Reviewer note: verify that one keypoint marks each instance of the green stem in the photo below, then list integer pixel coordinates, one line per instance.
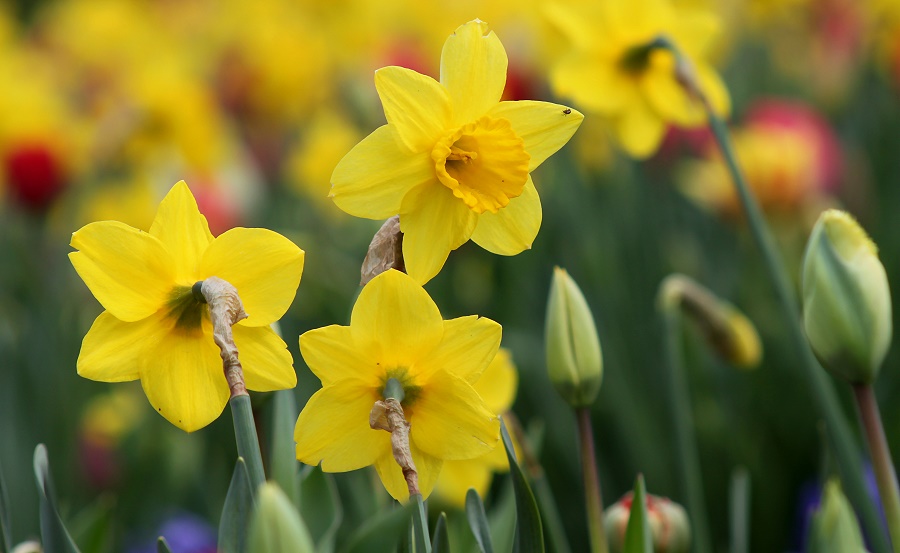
(593, 499)
(247, 440)
(420, 525)
(882, 464)
(686, 442)
(740, 511)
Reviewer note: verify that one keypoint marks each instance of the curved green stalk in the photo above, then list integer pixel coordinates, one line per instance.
(247, 440)
(594, 500)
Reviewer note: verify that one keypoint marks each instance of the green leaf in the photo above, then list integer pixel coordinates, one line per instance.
(235, 520)
(276, 526)
(320, 507)
(284, 466)
(246, 439)
(529, 532)
(420, 525)
(55, 537)
(478, 521)
(162, 546)
(638, 538)
(441, 541)
(381, 533)
(4, 517)
(739, 501)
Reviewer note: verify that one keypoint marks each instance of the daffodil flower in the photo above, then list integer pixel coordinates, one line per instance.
(396, 332)
(616, 71)
(498, 388)
(154, 329)
(453, 160)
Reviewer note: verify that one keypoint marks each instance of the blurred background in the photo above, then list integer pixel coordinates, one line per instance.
(105, 104)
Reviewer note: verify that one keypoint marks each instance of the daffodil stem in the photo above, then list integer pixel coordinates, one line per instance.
(247, 440)
(593, 498)
(682, 419)
(420, 522)
(883, 465)
(845, 449)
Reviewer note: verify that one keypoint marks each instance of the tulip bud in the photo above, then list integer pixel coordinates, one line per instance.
(668, 521)
(574, 362)
(834, 528)
(276, 526)
(846, 299)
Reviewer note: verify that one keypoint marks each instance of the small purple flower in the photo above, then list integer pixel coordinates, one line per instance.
(185, 533)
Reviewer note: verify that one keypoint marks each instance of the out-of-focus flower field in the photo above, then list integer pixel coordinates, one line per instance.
(106, 104)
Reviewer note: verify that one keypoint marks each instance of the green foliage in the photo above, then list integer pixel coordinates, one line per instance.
(233, 525)
(54, 535)
(529, 531)
(638, 538)
(441, 541)
(478, 521)
(320, 507)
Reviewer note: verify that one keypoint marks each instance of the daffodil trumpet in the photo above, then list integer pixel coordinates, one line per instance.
(845, 448)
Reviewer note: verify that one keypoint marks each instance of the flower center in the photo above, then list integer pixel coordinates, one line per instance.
(399, 378)
(185, 309)
(484, 163)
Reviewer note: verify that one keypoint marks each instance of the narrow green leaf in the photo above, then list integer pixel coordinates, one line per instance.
(283, 456)
(420, 524)
(638, 538)
(441, 540)
(55, 537)
(247, 440)
(235, 520)
(381, 533)
(740, 510)
(529, 532)
(162, 546)
(320, 507)
(478, 521)
(5, 527)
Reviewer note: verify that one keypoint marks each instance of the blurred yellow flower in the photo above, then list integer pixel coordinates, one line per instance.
(155, 330)
(396, 331)
(497, 386)
(453, 160)
(614, 70)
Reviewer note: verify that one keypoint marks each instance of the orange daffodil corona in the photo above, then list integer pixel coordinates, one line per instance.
(613, 71)
(153, 329)
(396, 331)
(453, 160)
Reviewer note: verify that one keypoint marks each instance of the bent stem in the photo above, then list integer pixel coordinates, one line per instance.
(686, 441)
(593, 499)
(883, 465)
(225, 310)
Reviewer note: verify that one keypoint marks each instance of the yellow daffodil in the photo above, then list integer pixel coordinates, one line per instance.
(453, 160)
(396, 332)
(155, 330)
(498, 388)
(615, 71)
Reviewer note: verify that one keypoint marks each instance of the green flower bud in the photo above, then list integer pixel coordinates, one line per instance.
(276, 526)
(846, 299)
(668, 521)
(834, 528)
(574, 361)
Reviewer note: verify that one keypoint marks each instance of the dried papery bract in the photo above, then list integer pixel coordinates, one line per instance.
(225, 310)
(385, 251)
(388, 415)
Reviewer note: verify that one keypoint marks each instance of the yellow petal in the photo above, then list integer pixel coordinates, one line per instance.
(473, 69)
(331, 355)
(458, 476)
(715, 90)
(696, 32)
(263, 265)
(372, 179)
(468, 345)
(449, 419)
(498, 382)
(112, 350)
(183, 230)
(264, 356)
(427, 466)
(598, 85)
(544, 127)
(639, 129)
(417, 106)
(333, 429)
(394, 322)
(127, 270)
(512, 229)
(434, 222)
(184, 380)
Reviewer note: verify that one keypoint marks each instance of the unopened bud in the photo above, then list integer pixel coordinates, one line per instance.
(846, 299)
(276, 526)
(668, 521)
(727, 331)
(574, 362)
(834, 528)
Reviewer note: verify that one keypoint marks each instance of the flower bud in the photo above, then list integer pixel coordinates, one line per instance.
(276, 526)
(574, 363)
(834, 528)
(668, 521)
(846, 299)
